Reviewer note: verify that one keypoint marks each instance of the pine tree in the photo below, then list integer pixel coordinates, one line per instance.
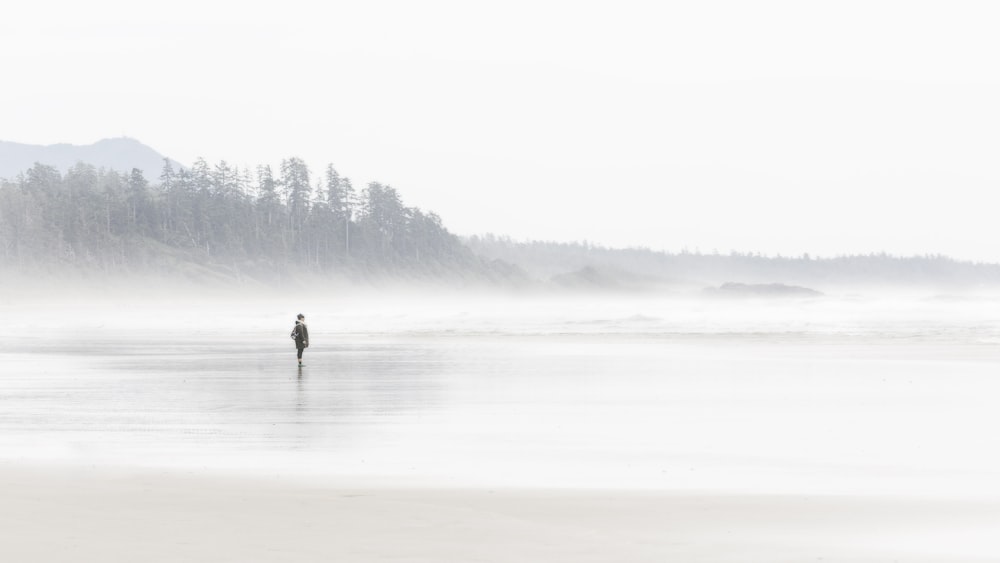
(334, 192)
(167, 176)
(137, 197)
(295, 182)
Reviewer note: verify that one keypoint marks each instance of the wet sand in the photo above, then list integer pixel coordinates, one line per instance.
(89, 515)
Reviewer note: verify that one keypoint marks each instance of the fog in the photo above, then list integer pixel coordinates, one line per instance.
(845, 394)
(701, 389)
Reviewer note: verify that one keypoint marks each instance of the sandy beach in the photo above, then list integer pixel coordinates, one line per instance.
(692, 434)
(88, 515)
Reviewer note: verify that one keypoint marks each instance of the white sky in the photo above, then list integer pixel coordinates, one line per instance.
(778, 127)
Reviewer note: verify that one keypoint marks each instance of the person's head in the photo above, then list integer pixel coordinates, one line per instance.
(301, 317)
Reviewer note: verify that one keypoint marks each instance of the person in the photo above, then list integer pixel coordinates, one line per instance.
(301, 336)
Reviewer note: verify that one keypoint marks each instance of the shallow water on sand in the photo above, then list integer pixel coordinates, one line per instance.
(676, 398)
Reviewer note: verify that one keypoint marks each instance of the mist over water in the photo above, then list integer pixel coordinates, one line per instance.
(841, 394)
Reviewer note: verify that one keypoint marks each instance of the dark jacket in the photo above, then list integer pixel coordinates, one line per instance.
(301, 333)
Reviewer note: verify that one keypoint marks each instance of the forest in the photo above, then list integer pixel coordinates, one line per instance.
(226, 222)
(290, 226)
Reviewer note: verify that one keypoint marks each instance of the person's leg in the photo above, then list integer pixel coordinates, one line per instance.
(299, 350)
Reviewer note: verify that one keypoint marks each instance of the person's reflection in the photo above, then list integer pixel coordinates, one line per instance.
(300, 396)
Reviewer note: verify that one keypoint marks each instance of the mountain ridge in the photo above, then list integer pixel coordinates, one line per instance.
(121, 154)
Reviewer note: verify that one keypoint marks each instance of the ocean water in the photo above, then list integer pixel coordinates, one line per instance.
(845, 395)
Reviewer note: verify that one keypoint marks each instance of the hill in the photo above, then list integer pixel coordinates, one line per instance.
(121, 154)
(588, 265)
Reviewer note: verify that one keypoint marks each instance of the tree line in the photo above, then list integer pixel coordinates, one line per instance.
(270, 225)
(240, 222)
(553, 260)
